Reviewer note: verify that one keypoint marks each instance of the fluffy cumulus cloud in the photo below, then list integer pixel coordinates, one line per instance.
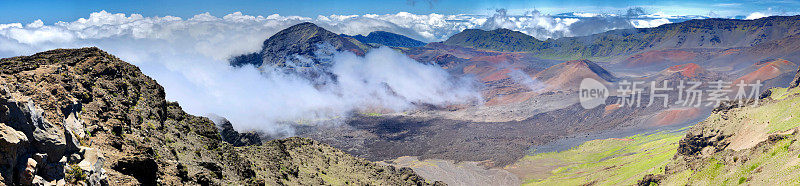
(189, 58)
(427, 28)
(542, 26)
(756, 15)
(645, 23)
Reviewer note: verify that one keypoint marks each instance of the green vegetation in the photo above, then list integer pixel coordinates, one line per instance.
(779, 116)
(503, 40)
(777, 164)
(372, 114)
(610, 161)
(776, 159)
(75, 174)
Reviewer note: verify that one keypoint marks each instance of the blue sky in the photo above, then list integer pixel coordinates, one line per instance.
(68, 10)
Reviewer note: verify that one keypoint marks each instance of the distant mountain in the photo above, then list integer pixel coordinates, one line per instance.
(297, 43)
(387, 39)
(503, 40)
(705, 33)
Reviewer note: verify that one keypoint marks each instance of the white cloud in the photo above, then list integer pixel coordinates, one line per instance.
(188, 57)
(36, 24)
(644, 23)
(756, 15)
(542, 26)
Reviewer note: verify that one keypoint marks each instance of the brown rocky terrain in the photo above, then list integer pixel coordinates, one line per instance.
(82, 116)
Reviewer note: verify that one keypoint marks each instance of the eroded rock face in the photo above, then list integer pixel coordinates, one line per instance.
(796, 80)
(33, 146)
(12, 145)
(85, 117)
(235, 138)
(304, 40)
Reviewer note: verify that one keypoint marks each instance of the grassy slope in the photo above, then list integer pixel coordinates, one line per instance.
(774, 162)
(610, 161)
(619, 162)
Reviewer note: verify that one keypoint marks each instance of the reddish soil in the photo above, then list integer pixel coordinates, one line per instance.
(610, 108)
(502, 58)
(729, 52)
(567, 75)
(659, 56)
(675, 116)
(767, 70)
(496, 74)
(510, 98)
(686, 70)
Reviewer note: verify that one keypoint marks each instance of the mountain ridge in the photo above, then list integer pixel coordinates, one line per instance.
(387, 39)
(83, 116)
(706, 33)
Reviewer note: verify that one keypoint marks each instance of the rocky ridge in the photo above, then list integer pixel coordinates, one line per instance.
(83, 116)
(387, 39)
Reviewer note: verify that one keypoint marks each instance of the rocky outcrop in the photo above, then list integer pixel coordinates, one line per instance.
(230, 135)
(796, 81)
(82, 116)
(36, 151)
(304, 44)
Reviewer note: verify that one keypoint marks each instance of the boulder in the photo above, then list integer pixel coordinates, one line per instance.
(73, 123)
(46, 136)
(53, 171)
(98, 178)
(92, 159)
(12, 142)
(92, 163)
(28, 174)
(38, 180)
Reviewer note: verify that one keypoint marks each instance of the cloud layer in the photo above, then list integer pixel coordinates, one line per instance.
(188, 57)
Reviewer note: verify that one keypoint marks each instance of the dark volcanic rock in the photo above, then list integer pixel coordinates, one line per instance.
(496, 144)
(235, 138)
(388, 39)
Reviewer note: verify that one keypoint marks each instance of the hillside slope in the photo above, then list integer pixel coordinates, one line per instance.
(503, 40)
(568, 75)
(100, 120)
(737, 144)
(706, 33)
(387, 39)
